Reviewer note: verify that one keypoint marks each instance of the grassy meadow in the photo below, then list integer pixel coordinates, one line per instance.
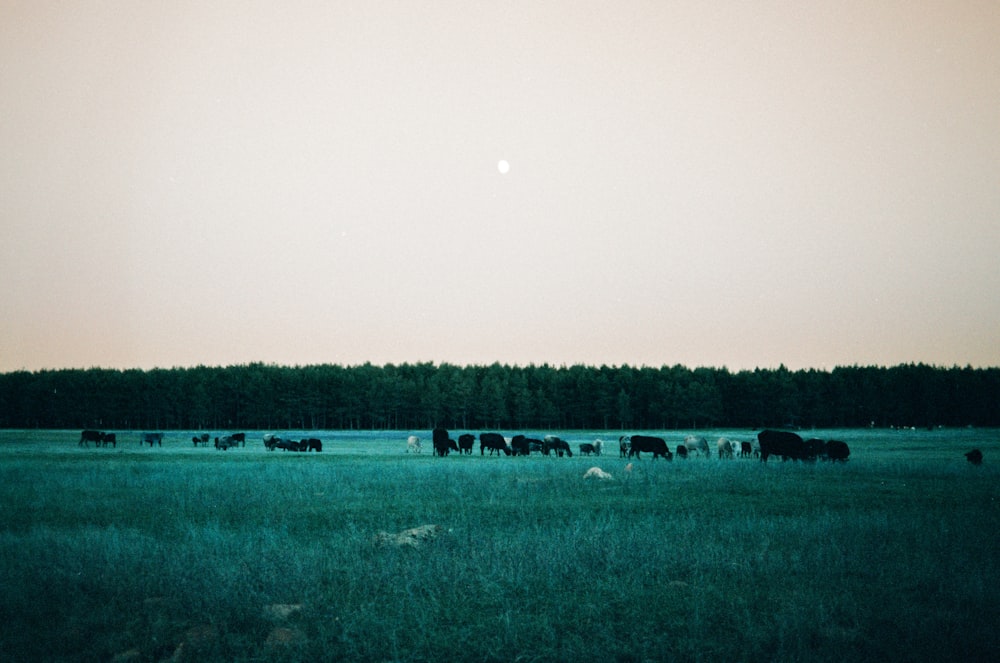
(183, 553)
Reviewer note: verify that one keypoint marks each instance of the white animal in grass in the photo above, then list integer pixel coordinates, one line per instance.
(413, 444)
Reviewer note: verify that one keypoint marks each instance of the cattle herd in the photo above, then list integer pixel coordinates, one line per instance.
(785, 445)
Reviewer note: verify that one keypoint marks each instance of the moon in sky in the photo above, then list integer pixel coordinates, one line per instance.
(503, 166)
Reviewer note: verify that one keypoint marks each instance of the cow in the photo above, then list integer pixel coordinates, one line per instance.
(241, 438)
(109, 438)
(696, 444)
(466, 442)
(413, 444)
(201, 439)
(312, 444)
(724, 447)
(814, 448)
(88, 436)
(836, 450)
(655, 445)
(975, 457)
(624, 444)
(225, 442)
(493, 442)
(519, 446)
(781, 443)
(587, 449)
(271, 441)
(598, 447)
(682, 451)
(441, 442)
(746, 449)
(289, 445)
(552, 443)
(150, 438)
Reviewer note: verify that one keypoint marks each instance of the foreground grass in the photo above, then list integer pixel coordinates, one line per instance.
(147, 556)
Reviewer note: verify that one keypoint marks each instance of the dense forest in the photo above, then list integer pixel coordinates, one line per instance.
(423, 395)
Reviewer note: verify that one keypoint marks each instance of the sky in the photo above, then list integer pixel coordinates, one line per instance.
(737, 184)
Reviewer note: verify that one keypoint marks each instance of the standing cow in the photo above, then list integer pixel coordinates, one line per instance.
(724, 447)
(442, 443)
(413, 444)
(655, 445)
(88, 436)
(696, 445)
(493, 442)
(781, 443)
(150, 438)
(465, 443)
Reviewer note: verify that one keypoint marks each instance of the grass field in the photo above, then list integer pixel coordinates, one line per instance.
(150, 554)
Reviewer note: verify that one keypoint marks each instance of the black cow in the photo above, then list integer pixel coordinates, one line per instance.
(586, 449)
(746, 449)
(290, 445)
(781, 443)
(682, 451)
(150, 438)
(655, 445)
(493, 442)
(88, 436)
(975, 457)
(312, 444)
(441, 440)
(241, 438)
(465, 443)
(552, 443)
(201, 439)
(109, 438)
(836, 450)
(815, 448)
(519, 446)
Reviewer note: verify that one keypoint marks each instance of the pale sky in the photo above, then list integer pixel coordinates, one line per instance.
(735, 184)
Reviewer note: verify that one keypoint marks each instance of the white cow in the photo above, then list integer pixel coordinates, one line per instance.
(696, 444)
(413, 444)
(598, 447)
(725, 447)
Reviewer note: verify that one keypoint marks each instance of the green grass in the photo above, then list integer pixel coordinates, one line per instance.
(136, 552)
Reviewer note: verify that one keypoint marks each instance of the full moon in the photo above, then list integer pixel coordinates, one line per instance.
(503, 166)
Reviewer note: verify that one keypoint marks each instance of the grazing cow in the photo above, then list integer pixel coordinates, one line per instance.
(225, 442)
(241, 438)
(724, 447)
(201, 439)
(781, 443)
(682, 451)
(975, 457)
(586, 449)
(493, 442)
(441, 440)
(814, 448)
(697, 444)
(746, 449)
(109, 438)
(598, 447)
(519, 446)
(836, 450)
(88, 436)
(413, 444)
(150, 438)
(624, 444)
(271, 441)
(552, 443)
(655, 445)
(314, 444)
(291, 445)
(465, 443)
(597, 473)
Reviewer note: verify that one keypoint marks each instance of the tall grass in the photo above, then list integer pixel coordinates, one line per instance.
(149, 554)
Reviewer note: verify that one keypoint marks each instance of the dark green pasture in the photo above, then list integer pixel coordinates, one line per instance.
(175, 552)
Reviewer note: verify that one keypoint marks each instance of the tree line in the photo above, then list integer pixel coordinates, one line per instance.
(424, 395)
